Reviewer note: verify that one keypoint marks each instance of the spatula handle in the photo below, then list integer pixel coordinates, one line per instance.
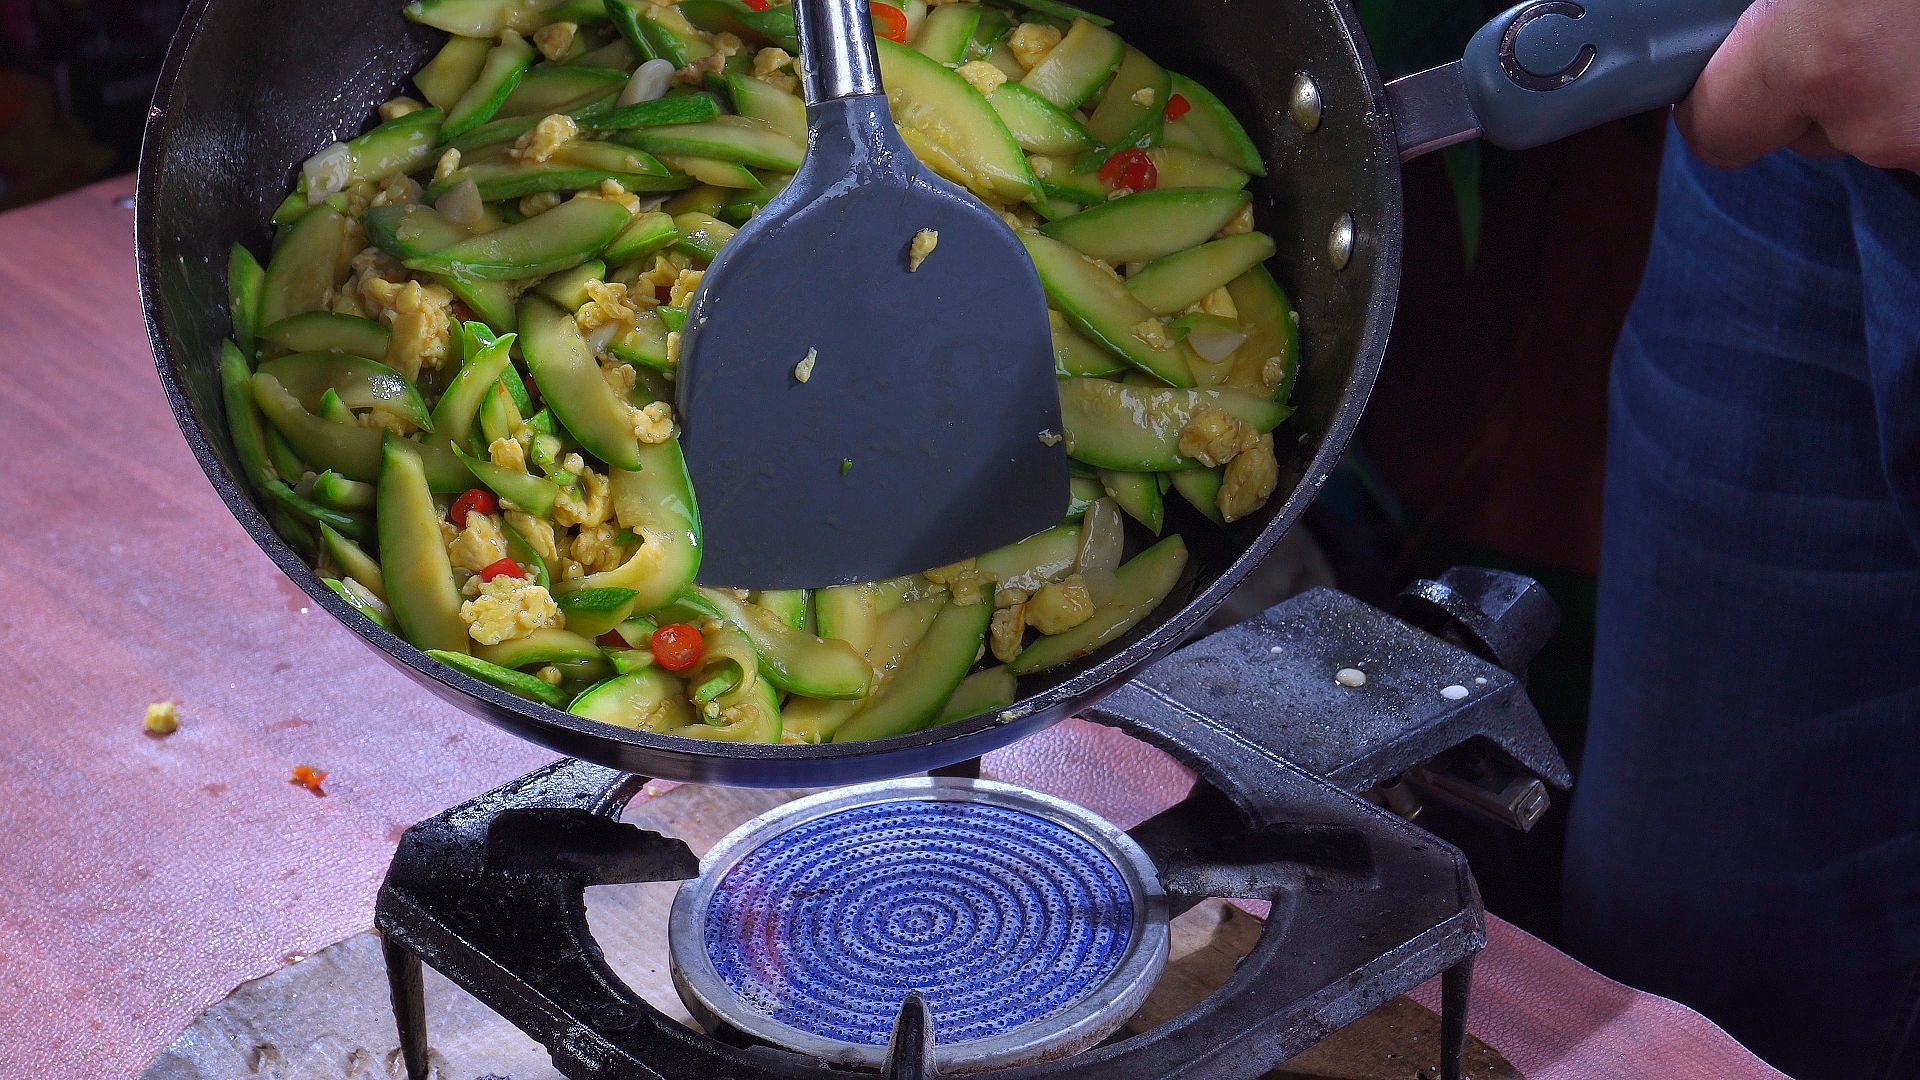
(837, 58)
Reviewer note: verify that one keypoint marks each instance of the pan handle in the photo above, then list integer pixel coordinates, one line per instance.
(1546, 69)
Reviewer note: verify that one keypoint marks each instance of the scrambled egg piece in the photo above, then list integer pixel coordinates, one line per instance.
(620, 377)
(448, 164)
(803, 370)
(1250, 478)
(923, 244)
(1218, 302)
(549, 675)
(399, 107)
(984, 76)
(479, 544)
(1019, 217)
(540, 202)
(1216, 436)
(673, 348)
(1042, 166)
(546, 137)
(1008, 632)
(965, 583)
(1060, 607)
(664, 271)
(775, 67)
(554, 39)
(1242, 223)
(1008, 597)
(595, 548)
(537, 532)
(419, 316)
(696, 73)
(1031, 42)
(1150, 331)
(508, 608)
(1142, 96)
(685, 283)
(607, 302)
(1272, 370)
(593, 503)
(384, 420)
(613, 191)
(508, 454)
(653, 423)
(163, 718)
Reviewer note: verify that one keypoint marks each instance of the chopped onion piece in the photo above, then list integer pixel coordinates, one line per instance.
(1216, 345)
(1102, 541)
(327, 173)
(602, 336)
(648, 83)
(461, 203)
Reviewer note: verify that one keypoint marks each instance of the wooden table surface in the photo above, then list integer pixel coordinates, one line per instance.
(143, 878)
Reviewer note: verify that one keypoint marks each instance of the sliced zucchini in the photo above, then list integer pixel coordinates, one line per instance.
(513, 682)
(656, 502)
(304, 268)
(984, 691)
(1081, 492)
(363, 603)
(560, 88)
(1060, 9)
(350, 450)
(406, 232)
(790, 606)
(1177, 167)
(477, 18)
(452, 70)
(1131, 110)
(792, 659)
(1075, 354)
(913, 697)
(523, 491)
(1060, 180)
(1273, 332)
(944, 34)
(953, 122)
(1174, 282)
(328, 331)
(1035, 123)
(245, 282)
(644, 235)
(360, 382)
(730, 175)
(776, 108)
(1140, 585)
(701, 236)
(499, 180)
(1144, 226)
(545, 646)
(332, 489)
(592, 612)
(1040, 559)
(1111, 425)
(1201, 489)
(568, 288)
(739, 139)
(1213, 124)
(352, 561)
(1138, 493)
(404, 144)
(1078, 66)
(560, 360)
(505, 65)
(645, 344)
(684, 109)
(565, 236)
(1098, 305)
(413, 557)
(244, 423)
(884, 629)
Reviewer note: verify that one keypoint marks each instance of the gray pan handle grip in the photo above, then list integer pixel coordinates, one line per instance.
(837, 57)
(1546, 69)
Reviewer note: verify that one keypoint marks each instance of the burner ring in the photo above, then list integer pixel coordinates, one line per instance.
(1033, 927)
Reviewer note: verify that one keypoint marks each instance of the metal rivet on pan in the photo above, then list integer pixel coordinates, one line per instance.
(1304, 102)
(1340, 242)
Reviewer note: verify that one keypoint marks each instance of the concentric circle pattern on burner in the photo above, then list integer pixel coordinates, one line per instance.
(999, 917)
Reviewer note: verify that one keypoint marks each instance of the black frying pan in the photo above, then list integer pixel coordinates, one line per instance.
(253, 87)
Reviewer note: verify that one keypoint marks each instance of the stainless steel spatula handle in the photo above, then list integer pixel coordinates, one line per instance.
(837, 58)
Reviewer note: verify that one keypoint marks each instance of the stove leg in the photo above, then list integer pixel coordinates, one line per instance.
(965, 770)
(1454, 985)
(409, 1006)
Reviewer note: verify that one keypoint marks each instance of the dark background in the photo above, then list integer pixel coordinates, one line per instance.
(1484, 440)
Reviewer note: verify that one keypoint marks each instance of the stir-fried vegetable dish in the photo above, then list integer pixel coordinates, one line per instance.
(451, 382)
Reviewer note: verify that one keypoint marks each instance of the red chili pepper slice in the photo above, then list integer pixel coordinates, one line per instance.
(890, 21)
(472, 499)
(662, 293)
(1178, 106)
(308, 777)
(678, 647)
(612, 640)
(1131, 169)
(757, 5)
(503, 568)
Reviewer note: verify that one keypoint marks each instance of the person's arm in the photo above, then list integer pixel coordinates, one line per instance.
(1819, 76)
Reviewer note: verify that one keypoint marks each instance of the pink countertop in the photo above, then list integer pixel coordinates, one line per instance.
(142, 878)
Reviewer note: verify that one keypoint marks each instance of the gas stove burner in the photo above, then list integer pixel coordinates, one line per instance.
(1031, 927)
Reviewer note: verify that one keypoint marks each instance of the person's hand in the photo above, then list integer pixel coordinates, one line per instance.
(1822, 77)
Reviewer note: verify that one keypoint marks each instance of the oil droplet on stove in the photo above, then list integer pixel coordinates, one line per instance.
(1454, 692)
(1350, 677)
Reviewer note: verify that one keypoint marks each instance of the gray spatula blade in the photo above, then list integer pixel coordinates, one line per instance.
(928, 428)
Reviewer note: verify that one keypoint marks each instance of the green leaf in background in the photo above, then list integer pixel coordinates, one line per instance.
(1409, 35)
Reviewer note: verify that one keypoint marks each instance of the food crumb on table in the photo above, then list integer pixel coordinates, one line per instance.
(803, 370)
(163, 718)
(308, 777)
(923, 244)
